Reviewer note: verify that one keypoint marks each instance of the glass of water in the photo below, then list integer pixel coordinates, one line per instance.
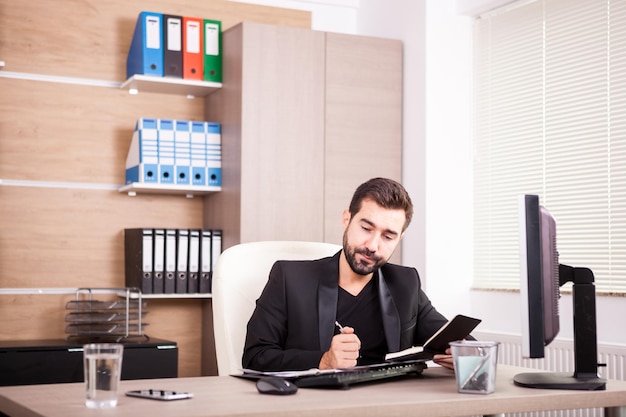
(103, 369)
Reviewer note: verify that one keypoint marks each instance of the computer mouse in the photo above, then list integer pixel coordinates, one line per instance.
(276, 386)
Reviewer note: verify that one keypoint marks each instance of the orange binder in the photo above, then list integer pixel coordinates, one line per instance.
(193, 56)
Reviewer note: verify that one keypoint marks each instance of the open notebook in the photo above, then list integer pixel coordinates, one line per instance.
(456, 329)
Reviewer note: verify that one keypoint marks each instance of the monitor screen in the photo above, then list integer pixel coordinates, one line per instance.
(541, 276)
(539, 270)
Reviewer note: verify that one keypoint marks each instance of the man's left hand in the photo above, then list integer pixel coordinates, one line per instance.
(445, 360)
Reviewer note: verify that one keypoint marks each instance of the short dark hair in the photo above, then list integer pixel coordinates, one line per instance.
(386, 193)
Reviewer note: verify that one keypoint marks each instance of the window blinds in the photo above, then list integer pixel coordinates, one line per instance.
(550, 119)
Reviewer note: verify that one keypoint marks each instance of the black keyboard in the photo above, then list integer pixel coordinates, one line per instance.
(360, 374)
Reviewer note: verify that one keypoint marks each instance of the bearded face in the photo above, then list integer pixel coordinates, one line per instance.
(362, 261)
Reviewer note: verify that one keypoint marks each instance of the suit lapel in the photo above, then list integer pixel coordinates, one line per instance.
(327, 301)
(391, 320)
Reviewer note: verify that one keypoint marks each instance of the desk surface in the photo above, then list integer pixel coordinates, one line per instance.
(432, 394)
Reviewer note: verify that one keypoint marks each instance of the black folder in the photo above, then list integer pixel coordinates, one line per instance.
(204, 284)
(138, 250)
(216, 250)
(193, 276)
(158, 261)
(172, 46)
(169, 285)
(182, 259)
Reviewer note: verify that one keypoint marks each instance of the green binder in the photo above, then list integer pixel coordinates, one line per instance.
(212, 50)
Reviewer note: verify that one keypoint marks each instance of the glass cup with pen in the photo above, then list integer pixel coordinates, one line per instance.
(475, 364)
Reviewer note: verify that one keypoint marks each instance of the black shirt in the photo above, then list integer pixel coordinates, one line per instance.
(362, 312)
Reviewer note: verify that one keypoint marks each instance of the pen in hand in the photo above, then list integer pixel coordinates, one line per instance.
(339, 326)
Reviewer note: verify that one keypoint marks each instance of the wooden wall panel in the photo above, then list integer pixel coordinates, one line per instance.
(180, 320)
(76, 133)
(55, 237)
(90, 38)
(74, 238)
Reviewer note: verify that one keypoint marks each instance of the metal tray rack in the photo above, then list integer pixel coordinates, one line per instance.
(118, 317)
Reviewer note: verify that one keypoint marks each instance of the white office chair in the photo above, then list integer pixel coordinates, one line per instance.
(239, 277)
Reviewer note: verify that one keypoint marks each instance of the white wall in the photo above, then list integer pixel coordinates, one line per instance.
(437, 151)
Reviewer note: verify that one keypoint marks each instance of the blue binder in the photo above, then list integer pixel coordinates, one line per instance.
(198, 153)
(214, 154)
(145, 55)
(182, 151)
(142, 159)
(166, 151)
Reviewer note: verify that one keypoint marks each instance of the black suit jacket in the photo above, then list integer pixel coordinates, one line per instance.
(294, 319)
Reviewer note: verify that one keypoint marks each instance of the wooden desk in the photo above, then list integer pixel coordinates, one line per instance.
(433, 394)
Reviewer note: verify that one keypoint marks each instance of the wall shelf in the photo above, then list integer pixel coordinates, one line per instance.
(172, 296)
(59, 79)
(72, 291)
(58, 184)
(35, 291)
(167, 85)
(148, 188)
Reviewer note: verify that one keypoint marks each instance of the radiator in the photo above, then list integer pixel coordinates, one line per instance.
(559, 357)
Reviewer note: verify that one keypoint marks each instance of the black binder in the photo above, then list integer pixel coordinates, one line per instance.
(193, 276)
(172, 46)
(138, 250)
(204, 284)
(158, 261)
(182, 259)
(216, 250)
(169, 285)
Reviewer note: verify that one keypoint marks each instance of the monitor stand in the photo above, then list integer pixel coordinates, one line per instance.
(558, 380)
(585, 376)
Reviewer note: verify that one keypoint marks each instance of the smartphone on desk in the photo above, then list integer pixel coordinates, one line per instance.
(159, 394)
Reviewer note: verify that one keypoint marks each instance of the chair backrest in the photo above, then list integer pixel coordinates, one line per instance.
(238, 280)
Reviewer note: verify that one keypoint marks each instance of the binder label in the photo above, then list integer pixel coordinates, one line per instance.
(146, 261)
(193, 37)
(174, 34)
(153, 32)
(211, 40)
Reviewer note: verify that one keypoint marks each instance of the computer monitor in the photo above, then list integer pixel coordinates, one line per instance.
(541, 277)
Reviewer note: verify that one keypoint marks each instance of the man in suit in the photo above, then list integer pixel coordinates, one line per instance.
(349, 309)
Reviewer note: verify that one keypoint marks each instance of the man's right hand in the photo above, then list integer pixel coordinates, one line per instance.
(343, 352)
